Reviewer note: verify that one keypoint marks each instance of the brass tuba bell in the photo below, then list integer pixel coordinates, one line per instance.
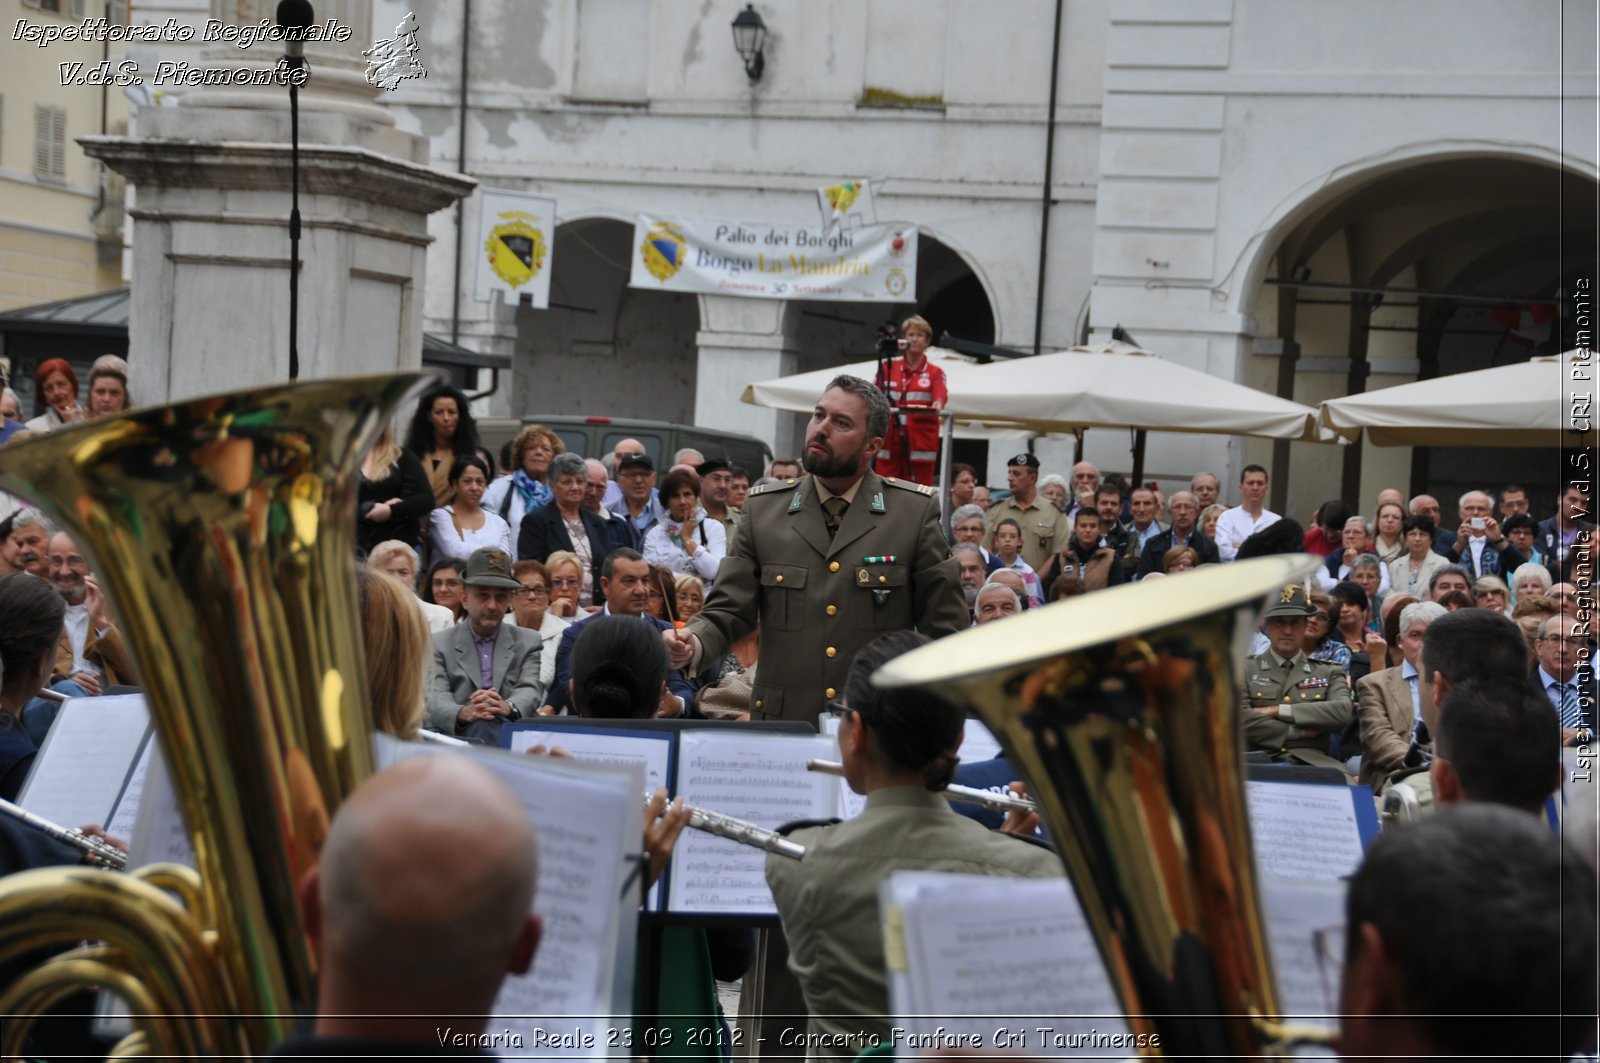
(1121, 710)
(223, 529)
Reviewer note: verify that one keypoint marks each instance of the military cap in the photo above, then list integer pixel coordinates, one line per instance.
(1291, 601)
(1028, 460)
(490, 567)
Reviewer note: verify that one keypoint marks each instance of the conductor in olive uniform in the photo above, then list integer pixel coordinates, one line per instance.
(827, 563)
(1294, 705)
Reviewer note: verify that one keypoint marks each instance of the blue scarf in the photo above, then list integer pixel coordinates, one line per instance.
(534, 494)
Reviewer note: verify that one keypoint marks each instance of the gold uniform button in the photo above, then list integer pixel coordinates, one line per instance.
(831, 652)
(833, 566)
(883, 579)
(759, 703)
(788, 481)
(830, 692)
(832, 609)
(779, 578)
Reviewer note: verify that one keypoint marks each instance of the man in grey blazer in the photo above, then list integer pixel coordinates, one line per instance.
(485, 672)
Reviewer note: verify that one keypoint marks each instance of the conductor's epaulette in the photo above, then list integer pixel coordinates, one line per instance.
(773, 486)
(909, 485)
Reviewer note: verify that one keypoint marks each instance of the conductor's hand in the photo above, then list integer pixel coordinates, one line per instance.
(662, 825)
(1019, 822)
(680, 647)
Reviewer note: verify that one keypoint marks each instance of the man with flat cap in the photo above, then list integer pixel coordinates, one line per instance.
(1293, 705)
(716, 484)
(639, 505)
(827, 563)
(1045, 529)
(485, 671)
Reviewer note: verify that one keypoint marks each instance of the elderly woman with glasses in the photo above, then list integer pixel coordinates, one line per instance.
(530, 608)
(563, 524)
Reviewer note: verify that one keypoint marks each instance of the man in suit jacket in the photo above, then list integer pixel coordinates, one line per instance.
(827, 564)
(625, 582)
(1390, 703)
(90, 651)
(485, 671)
(1184, 509)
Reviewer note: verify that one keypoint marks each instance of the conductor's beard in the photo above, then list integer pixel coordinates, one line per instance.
(827, 464)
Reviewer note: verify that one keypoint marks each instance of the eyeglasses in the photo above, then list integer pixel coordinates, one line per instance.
(532, 592)
(561, 581)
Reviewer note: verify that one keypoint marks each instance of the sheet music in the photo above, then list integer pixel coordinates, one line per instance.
(979, 948)
(125, 816)
(565, 999)
(978, 742)
(86, 758)
(1296, 909)
(159, 835)
(1305, 830)
(759, 778)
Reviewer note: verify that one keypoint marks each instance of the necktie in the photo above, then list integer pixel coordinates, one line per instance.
(1571, 714)
(833, 513)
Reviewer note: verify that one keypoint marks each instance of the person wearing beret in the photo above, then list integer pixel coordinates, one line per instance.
(1045, 529)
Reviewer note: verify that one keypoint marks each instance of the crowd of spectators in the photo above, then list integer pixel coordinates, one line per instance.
(1454, 660)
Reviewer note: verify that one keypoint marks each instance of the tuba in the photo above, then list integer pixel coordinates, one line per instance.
(1121, 711)
(222, 530)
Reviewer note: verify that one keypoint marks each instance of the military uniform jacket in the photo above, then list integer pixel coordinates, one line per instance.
(888, 569)
(828, 902)
(1313, 700)
(1045, 529)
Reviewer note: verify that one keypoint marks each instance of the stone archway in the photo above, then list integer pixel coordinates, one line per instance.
(1433, 266)
(604, 348)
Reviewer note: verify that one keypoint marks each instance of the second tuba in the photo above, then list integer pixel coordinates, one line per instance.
(1121, 710)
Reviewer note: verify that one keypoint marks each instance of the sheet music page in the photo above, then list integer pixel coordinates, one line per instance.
(978, 742)
(159, 835)
(1295, 909)
(759, 778)
(86, 759)
(587, 818)
(651, 755)
(125, 817)
(982, 948)
(1305, 830)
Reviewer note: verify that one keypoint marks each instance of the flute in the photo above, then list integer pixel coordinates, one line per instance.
(965, 794)
(103, 852)
(743, 831)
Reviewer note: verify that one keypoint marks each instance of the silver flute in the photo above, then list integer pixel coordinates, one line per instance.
(967, 795)
(744, 832)
(103, 852)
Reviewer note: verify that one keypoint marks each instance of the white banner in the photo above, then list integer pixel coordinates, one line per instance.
(875, 263)
(516, 234)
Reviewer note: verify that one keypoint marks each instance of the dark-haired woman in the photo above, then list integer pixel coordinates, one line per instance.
(442, 431)
(1410, 572)
(899, 748)
(464, 526)
(31, 612)
(619, 669)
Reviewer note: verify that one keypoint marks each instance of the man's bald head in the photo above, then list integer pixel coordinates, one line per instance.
(423, 893)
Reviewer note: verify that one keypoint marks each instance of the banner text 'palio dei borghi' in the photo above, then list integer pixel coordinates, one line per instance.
(873, 263)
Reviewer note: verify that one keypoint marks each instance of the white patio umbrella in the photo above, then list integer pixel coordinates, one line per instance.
(1530, 404)
(1114, 385)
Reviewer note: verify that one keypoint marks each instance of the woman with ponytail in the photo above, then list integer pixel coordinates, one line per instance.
(899, 748)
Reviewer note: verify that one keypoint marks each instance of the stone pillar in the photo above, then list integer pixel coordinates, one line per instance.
(741, 341)
(210, 274)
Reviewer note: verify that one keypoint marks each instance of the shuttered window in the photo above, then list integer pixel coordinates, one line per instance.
(49, 143)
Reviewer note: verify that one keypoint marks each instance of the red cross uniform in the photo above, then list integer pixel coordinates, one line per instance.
(911, 450)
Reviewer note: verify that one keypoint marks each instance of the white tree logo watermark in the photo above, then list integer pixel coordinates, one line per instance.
(394, 60)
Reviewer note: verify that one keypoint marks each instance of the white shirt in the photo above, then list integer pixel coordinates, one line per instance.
(447, 542)
(1235, 526)
(1476, 544)
(77, 622)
